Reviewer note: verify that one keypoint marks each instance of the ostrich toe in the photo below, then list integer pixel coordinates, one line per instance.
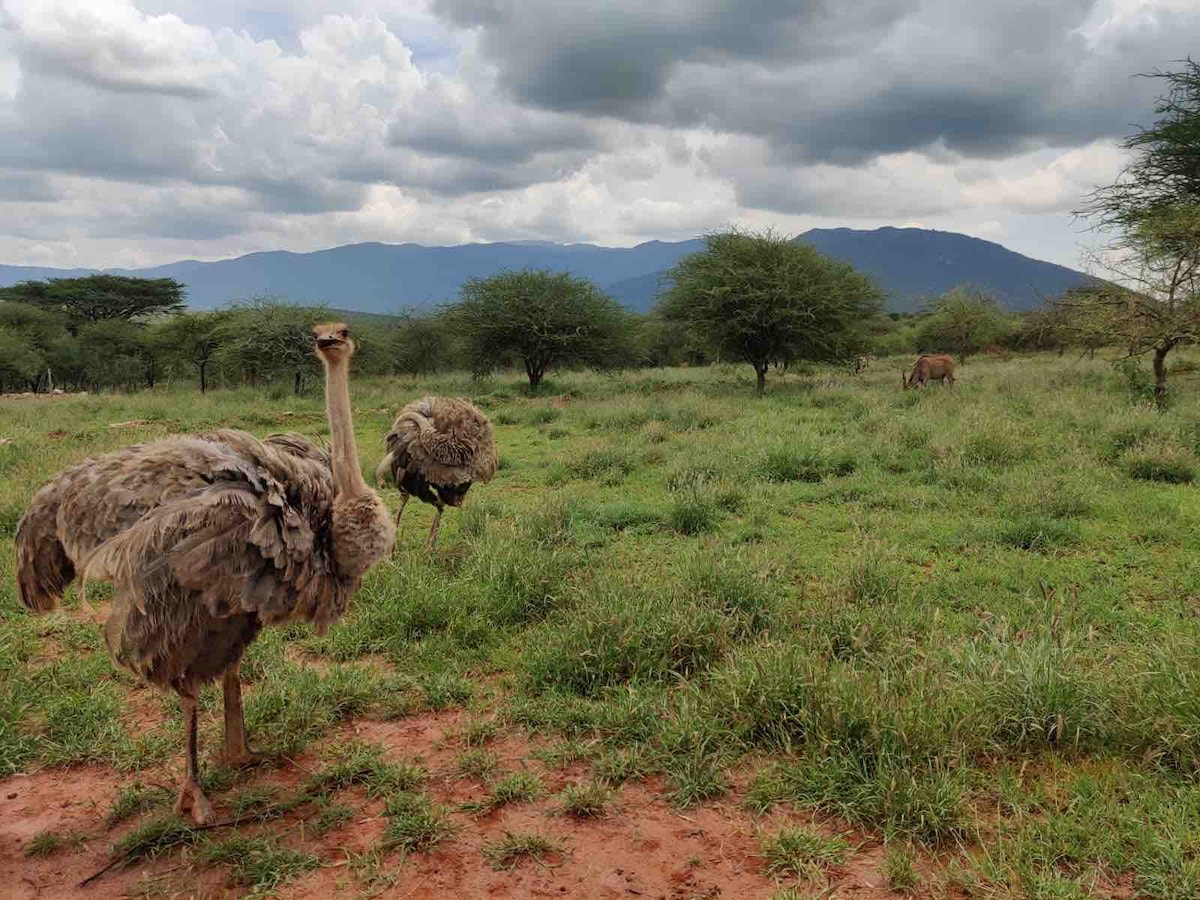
(193, 804)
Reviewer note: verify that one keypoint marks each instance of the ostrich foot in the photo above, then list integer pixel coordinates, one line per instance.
(193, 804)
(243, 757)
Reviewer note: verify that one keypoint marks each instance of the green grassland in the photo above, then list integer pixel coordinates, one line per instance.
(966, 619)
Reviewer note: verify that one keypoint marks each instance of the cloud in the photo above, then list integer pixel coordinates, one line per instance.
(139, 131)
(839, 82)
(307, 132)
(909, 184)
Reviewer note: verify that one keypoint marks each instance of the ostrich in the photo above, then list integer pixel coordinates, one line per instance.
(437, 448)
(207, 538)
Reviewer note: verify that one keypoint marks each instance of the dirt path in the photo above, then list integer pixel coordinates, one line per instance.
(643, 848)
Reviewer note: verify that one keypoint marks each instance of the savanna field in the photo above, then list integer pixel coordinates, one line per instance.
(842, 640)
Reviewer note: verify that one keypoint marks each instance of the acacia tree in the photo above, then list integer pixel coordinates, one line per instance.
(420, 345)
(1160, 308)
(963, 321)
(765, 298)
(20, 361)
(195, 338)
(99, 298)
(266, 340)
(1153, 212)
(541, 319)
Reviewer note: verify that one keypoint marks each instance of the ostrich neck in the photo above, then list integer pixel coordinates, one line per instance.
(347, 473)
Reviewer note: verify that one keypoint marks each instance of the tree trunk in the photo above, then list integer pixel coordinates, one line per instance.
(1160, 374)
(760, 371)
(203, 378)
(296, 383)
(535, 372)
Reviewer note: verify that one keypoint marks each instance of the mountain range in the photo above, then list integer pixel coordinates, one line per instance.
(911, 265)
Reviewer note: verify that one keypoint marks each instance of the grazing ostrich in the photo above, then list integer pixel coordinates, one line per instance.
(437, 448)
(207, 538)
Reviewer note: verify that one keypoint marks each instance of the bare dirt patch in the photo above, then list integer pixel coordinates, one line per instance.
(642, 847)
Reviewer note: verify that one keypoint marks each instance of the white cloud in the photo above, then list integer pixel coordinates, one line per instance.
(140, 131)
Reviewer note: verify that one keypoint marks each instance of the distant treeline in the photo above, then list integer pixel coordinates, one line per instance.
(114, 333)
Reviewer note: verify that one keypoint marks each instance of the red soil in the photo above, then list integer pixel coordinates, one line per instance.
(643, 848)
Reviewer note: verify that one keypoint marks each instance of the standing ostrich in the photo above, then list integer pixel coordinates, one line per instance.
(207, 538)
(437, 448)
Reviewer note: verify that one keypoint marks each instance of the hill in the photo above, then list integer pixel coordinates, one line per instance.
(910, 264)
(914, 264)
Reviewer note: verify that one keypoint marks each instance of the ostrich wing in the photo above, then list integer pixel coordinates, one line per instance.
(253, 545)
(98, 499)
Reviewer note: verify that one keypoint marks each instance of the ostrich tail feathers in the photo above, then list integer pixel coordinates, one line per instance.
(43, 567)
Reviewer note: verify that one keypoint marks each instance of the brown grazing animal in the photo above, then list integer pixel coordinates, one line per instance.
(935, 367)
(207, 538)
(437, 448)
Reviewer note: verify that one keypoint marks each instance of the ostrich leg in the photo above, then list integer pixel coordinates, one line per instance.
(399, 513)
(433, 529)
(237, 751)
(191, 797)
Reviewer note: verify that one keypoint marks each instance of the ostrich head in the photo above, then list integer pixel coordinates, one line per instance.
(332, 342)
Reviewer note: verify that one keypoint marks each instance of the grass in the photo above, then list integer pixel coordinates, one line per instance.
(358, 763)
(153, 838)
(513, 848)
(133, 800)
(586, 801)
(46, 842)
(961, 620)
(478, 763)
(257, 862)
(414, 823)
(899, 867)
(519, 787)
(801, 851)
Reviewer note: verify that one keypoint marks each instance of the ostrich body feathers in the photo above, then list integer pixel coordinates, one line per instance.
(206, 537)
(437, 448)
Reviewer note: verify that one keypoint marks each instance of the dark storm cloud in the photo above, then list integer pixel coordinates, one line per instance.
(459, 174)
(831, 84)
(488, 132)
(616, 59)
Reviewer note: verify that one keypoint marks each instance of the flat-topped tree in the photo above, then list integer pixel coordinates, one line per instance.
(97, 298)
(765, 298)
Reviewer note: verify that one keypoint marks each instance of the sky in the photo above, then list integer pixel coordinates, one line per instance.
(138, 132)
